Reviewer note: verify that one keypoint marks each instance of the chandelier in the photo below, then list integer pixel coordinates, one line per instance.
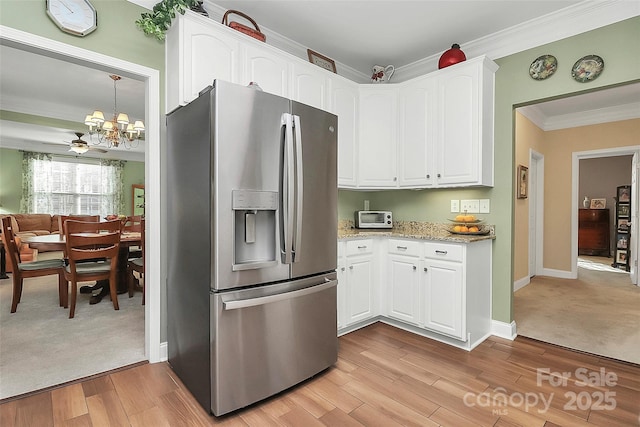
(116, 132)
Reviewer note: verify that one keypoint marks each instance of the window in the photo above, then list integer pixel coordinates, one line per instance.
(67, 186)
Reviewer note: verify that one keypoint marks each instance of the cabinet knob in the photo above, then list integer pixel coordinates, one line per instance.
(438, 175)
(342, 269)
(428, 176)
(395, 178)
(425, 269)
(351, 267)
(415, 268)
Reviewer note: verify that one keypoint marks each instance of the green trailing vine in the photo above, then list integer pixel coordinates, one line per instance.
(157, 22)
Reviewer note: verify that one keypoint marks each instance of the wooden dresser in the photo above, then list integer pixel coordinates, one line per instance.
(593, 232)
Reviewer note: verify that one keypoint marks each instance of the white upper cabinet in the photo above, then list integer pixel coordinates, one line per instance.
(429, 132)
(464, 146)
(310, 85)
(198, 51)
(377, 167)
(416, 101)
(344, 103)
(266, 68)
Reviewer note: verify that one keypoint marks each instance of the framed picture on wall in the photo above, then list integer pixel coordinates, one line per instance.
(523, 182)
(621, 257)
(623, 225)
(623, 210)
(622, 241)
(624, 194)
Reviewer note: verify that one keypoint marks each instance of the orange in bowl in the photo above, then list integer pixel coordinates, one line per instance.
(473, 229)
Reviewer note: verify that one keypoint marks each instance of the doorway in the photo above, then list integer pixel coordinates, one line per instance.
(42, 46)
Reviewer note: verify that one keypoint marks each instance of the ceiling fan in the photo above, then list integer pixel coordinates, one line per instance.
(80, 146)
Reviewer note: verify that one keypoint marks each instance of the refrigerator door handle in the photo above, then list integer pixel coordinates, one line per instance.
(288, 186)
(253, 302)
(297, 240)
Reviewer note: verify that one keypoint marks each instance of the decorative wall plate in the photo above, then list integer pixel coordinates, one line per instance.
(543, 66)
(587, 68)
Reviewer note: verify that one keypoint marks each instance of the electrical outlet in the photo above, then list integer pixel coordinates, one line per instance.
(455, 206)
(484, 206)
(470, 206)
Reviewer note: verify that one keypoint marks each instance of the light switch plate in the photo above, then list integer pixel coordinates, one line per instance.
(455, 206)
(470, 206)
(485, 206)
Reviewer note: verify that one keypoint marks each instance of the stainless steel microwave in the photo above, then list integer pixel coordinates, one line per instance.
(374, 219)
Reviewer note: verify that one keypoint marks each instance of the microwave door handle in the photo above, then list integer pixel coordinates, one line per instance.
(287, 189)
(299, 190)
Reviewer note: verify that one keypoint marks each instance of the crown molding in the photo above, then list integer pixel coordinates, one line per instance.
(593, 117)
(570, 21)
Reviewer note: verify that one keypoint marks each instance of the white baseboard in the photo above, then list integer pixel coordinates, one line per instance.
(521, 283)
(504, 330)
(560, 274)
(164, 352)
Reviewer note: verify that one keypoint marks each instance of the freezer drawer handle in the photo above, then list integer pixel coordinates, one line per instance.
(252, 302)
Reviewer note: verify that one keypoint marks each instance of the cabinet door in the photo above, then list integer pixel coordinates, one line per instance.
(266, 68)
(442, 298)
(341, 294)
(309, 85)
(377, 166)
(197, 54)
(344, 104)
(360, 291)
(457, 147)
(416, 102)
(403, 281)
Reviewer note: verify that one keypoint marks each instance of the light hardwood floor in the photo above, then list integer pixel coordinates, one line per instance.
(384, 377)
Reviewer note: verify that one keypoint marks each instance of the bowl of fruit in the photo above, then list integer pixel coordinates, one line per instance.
(467, 224)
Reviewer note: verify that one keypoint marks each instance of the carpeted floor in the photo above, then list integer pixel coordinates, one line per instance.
(598, 313)
(40, 346)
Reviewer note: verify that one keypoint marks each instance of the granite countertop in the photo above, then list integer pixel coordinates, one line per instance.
(415, 230)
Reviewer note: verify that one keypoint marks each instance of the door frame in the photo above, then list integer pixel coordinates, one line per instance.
(43, 46)
(536, 210)
(575, 174)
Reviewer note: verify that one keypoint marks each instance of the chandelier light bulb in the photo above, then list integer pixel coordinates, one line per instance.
(97, 117)
(123, 119)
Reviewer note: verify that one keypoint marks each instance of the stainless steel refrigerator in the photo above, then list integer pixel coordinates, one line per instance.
(252, 232)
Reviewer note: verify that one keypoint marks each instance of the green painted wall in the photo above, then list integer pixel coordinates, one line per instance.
(10, 178)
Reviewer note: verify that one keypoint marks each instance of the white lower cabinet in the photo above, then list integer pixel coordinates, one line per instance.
(357, 282)
(437, 289)
(442, 297)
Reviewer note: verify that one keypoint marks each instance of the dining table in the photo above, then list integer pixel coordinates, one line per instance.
(128, 239)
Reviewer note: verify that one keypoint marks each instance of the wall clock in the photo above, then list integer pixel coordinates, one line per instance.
(321, 61)
(77, 17)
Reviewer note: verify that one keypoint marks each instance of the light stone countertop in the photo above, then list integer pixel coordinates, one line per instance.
(414, 230)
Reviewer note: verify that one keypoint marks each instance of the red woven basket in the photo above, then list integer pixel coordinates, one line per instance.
(253, 32)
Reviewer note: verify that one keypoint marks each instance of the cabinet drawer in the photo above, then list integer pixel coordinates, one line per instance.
(445, 251)
(404, 247)
(359, 247)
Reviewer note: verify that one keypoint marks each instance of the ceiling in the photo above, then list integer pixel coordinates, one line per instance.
(355, 33)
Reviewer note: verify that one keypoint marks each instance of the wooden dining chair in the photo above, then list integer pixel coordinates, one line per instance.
(136, 224)
(92, 253)
(87, 218)
(23, 270)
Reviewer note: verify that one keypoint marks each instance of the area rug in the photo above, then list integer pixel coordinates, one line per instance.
(41, 347)
(597, 313)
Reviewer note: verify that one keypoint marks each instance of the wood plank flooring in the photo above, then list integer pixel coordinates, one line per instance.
(384, 377)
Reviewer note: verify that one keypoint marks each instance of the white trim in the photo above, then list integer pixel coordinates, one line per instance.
(537, 160)
(521, 283)
(593, 117)
(570, 21)
(41, 45)
(560, 274)
(567, 22)
(164, 351)
(504, 330)
(575, 174)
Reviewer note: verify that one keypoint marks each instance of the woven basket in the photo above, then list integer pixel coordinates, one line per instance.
(253, 32)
